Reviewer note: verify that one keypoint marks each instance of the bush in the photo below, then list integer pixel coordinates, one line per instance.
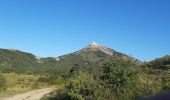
(2, 82)
(118, 79)
(121, 77)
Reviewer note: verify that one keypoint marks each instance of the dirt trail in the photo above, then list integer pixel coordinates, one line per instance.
(32, 95)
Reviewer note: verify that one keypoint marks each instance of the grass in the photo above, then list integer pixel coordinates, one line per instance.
(19, 83)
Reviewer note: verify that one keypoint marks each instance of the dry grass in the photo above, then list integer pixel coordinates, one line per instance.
(18, 83)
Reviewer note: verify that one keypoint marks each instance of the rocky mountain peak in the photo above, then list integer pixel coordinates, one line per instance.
(94, 45)
(97, 47)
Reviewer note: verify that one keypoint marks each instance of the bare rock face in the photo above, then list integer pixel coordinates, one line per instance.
(94, 45)
(97, 47)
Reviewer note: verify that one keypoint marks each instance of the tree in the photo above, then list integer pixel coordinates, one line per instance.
(121, 76)
(75, 69)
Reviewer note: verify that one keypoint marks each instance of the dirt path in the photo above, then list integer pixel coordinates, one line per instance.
(32, 95)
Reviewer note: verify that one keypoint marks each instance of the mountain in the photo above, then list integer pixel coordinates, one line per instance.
(18, 61)
(161, 63)
(12, 60)
(91, 53)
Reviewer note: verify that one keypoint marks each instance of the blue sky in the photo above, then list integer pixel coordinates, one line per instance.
(140, 28)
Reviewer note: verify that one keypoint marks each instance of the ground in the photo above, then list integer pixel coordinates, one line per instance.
(32, 95)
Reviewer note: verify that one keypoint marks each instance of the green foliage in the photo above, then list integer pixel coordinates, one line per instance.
(22, 62)
(2, 82)
(118, 80)
(14, 83)
(52, 79)
(88, 74)
(121, 76)
(59, 94)
(26, 63)
(82, 86)
(161, 63)
(75, 69)
(166, 81)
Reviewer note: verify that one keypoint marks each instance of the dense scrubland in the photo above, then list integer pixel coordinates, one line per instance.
(119, 79)
(85, 76)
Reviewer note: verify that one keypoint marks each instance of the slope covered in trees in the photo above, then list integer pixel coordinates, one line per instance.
(161, 63)
(22, 62)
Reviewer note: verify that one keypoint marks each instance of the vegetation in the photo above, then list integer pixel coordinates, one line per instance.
(22, 62)
(119, 79)
(84, 75)
(2, 83)
(12, 83)
(161, 63)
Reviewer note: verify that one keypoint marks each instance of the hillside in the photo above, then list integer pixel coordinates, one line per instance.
(15, 60)
(91, 54)
(161, 63)
(93, 72)
(22, 62)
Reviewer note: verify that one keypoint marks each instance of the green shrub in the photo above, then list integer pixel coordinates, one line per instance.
(121, 76)
(2, 82)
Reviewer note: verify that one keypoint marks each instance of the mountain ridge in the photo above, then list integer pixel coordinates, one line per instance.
(19, 61)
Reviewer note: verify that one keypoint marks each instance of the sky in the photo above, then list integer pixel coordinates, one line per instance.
(139, 28)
